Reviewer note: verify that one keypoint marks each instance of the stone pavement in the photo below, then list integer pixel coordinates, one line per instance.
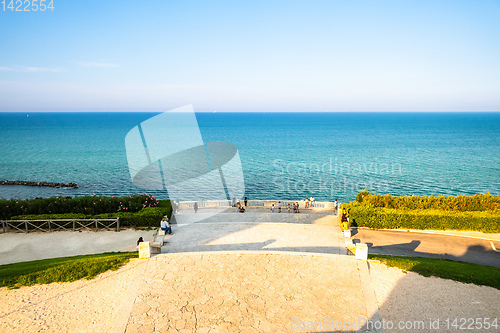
(219, 275)
(313, 232)
(257, 272)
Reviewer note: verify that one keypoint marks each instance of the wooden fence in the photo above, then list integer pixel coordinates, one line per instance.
(56, 225)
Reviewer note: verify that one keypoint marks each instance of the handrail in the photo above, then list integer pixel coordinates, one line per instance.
(49, 225)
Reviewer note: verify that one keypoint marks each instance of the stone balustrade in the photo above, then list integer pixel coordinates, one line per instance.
(326, 205)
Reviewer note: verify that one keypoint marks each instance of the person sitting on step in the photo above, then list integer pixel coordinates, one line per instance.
(165, 226)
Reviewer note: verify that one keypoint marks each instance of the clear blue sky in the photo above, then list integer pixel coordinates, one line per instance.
(253, 55)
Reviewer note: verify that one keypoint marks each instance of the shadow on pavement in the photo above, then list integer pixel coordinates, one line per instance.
(415, 244)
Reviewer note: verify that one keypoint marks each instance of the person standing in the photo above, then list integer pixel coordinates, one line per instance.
(195, 206)
(312, 202)
(294, 208)
(297, 208)
(246, 201)
(336, 205)
(233, 203)
(288, 208)
(306, 203)
(279, 206)
(272, 208)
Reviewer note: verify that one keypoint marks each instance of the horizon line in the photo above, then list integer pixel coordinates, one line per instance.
(236, 110)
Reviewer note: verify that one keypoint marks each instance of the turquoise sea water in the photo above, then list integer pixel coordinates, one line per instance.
(284, 155)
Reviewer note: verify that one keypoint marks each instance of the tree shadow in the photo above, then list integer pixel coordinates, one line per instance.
(426, 245)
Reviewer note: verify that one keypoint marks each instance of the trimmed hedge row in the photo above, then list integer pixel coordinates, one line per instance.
(146, 217)
(362, 215)
(68, 216)
(89, 205)
(463, 203)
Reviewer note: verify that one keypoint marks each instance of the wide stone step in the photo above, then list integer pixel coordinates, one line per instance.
(247, 217)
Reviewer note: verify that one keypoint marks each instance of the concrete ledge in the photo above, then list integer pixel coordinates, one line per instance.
(253, 252)
(361, 251)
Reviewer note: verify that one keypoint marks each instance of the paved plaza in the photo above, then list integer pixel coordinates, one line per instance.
(251, 272)
(228, 274)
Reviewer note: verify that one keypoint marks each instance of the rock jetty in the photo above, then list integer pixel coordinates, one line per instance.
(24, 183)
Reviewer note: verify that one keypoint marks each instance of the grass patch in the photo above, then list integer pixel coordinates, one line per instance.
(65, 269)
(444, 268)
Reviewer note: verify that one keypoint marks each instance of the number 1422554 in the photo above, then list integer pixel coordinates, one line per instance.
(27, 5)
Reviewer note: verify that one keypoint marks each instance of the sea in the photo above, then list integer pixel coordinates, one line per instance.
(287, 156)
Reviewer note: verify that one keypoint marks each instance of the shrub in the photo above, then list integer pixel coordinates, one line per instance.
(146, 217)
(462, 203)
(68, 216)
(88, 205)
(361, 195)
(387, 218)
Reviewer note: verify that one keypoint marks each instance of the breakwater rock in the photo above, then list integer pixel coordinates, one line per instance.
(25, 183)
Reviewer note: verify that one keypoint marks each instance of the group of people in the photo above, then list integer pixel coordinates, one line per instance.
(309, 202)
(236, 202)
(295, 207)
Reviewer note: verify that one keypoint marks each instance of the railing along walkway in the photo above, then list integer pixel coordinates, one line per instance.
(55, 225)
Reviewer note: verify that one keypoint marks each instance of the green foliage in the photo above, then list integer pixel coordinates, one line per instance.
(61, 269)
(68, 216)
(444, 268)
(362, 215)
(361, 195)
(164, 204)
(89, 205)
(463, 203)
(146, 217)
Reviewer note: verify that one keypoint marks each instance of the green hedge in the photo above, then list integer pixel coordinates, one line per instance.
(463, 203)
(68, 216)
(89, 205)
(386, 218)
(146, 217)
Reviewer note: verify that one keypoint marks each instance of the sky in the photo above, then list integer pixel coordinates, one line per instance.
(252, 56)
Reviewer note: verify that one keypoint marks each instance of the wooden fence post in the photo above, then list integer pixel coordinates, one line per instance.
(26, 225)
(117, 224)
